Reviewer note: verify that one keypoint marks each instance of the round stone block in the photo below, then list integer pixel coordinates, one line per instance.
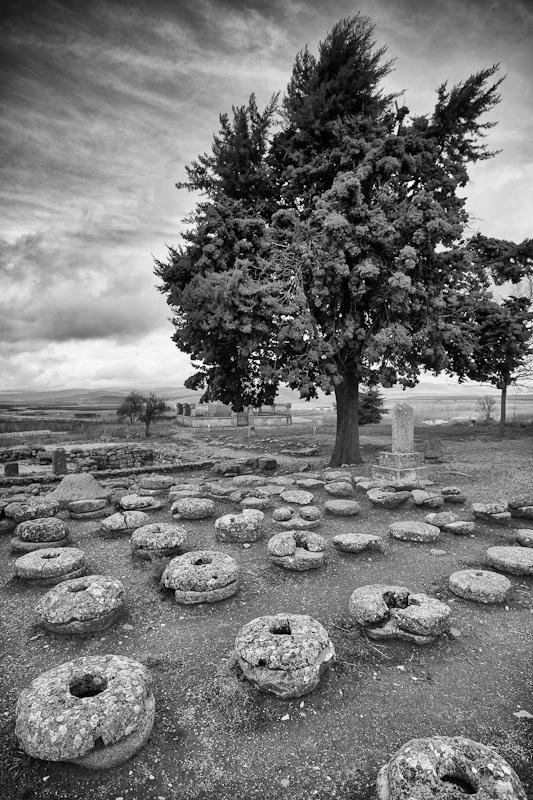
(297, 496)
(514, 560)
(137, 502)
(247, 480)
(158, 540)
(192, 508)
(356, 542)
(282, 513)
(421, 497)
(285, 654)
(89, 506)
(245, 527)
(201, 576)
(50, 566)
(479, 585)
(445, 767)
(123, 522)
(43, 530)
(157, 483)
(525, 537)
(96, 711)
(337, 475)
(81, 605)
(342, 508)
(18, 545)
(260, 503)
(178, 492)
(297, 550)
(32, 508)
(413, 531)
(339, 488)
(389, 499)
(441, 519)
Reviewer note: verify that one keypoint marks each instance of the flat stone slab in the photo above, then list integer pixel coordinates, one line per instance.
(387, 611)
(248, 480)
(421, 497)
(342, 508)
(158, 540)
(51, 565)
(460, 528)
(479, 585)
(441, 519)
(201, 576)
(285, 654)
(413, 531)
(520, 502)
(308, 483)
(446, 768)
(18, 545)
(156, 483)
(192, 508)
(297, 550)
(87, 506)
(32, 508)
(387, 499)
(525, 537)
(339, 489)
(123, 522)
(43, 530)
(356, 542)
(337, 475)
(81, 605)
(56, 720)
(297, 496)
(246, 527)
(511, 559)
(261, 503)
(524, 512)
(492, 512)
(137, 502)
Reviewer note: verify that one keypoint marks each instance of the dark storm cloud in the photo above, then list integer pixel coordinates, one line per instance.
(104, 102)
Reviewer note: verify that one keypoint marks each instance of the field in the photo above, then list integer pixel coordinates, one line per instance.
(215, 735)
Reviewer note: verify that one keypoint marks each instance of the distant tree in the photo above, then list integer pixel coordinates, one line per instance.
(154, 408)
(371, 408)
(131, 407)
(503, 345)
(486, 406)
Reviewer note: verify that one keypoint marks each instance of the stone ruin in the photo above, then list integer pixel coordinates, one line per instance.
(403, 463)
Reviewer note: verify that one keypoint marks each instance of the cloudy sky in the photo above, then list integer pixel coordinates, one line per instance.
(102, 104)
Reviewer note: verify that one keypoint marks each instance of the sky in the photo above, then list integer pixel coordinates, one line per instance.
(103, 102)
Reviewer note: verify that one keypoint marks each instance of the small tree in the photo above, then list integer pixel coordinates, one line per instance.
(370, 407)
(486, 406)
(153, 409)
(131, 407)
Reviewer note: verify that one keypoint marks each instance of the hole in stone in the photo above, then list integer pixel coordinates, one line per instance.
(462, 784)
(99, 743)
(75, 589)
(201, 560)
(87, 686)
(394, 601)
(281, 628)
(50, 555)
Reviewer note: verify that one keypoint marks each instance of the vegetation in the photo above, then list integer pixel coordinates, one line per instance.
(486, 406)
(131, 407)
(371, 407)
(331, 253)
(145, 409)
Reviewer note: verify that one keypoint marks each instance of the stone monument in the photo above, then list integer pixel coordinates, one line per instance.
(11, 469)
(403, 463)
(59, 461)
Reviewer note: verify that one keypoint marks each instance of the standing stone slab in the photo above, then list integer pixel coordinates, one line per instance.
(59, 461)
(402, 463)
(403, 428)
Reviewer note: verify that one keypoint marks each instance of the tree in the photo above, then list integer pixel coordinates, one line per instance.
(371, 408)
(153, 409)
(486, 406)
(131, 407)
(337, 256)
(503, 345)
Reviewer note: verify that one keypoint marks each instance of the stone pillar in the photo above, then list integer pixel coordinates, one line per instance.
(59, 461)
(11, 469)
(403, 428)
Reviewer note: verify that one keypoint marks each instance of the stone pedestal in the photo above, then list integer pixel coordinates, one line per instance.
(403, 463)
(11, 469)
(59, 461)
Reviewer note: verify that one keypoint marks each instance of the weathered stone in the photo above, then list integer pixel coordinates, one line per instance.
(422, 497)
(387, 612)
(443, 768)
(356, 542)
(403, 428)
(18, 545)
(282, 513)
(95, 711)
(297, 550)
(32, 508)
(342, 508)
(81, 605)
(433, 449)
(309, 483)
(248, 480)
(192, 508)
(337, 476)
(88, 506)
(123, 522)
(511, 559)
(158, 483)
(441, 519)
(245, 527)
(297, 496)
(44, 529)
(189, 490)
(261, 503)
(460, 528)
(479, 585)
(311, 513)
(11, 469)
(50, 566)
(136, 502)
(59, 461)
(202, 576)
(525, 537)
(158, 540)
(413, 531)
(521, 502)
(285, 654)
(492, 512)
(387, 499)
(79, 486)
(339, 489)
(524, 512)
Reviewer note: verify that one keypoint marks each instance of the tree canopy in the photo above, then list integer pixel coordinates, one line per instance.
(337, 257)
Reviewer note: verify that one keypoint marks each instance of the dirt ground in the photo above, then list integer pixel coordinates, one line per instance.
(216, 736)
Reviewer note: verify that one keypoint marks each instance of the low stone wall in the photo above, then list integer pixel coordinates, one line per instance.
(19, 452)
(109, 458)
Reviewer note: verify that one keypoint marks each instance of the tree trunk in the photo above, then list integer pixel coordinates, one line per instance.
(147, 429)
(503, 408)
(346, 449)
